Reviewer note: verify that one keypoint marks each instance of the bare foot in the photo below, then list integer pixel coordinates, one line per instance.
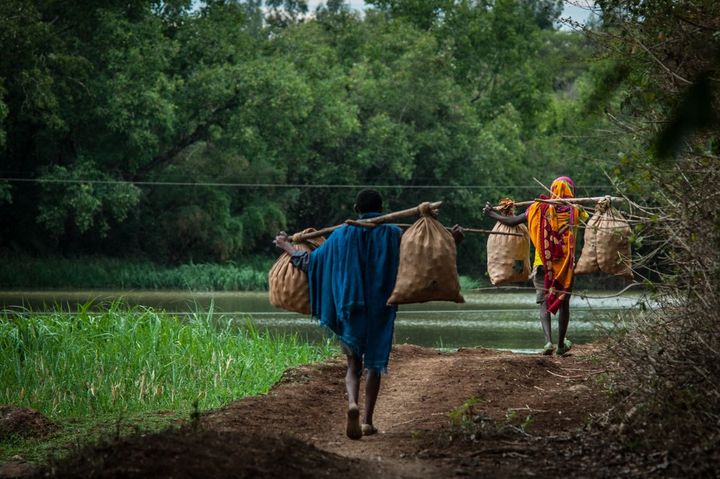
(352, 429)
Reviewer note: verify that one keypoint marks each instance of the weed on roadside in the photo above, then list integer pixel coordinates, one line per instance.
(468, 422)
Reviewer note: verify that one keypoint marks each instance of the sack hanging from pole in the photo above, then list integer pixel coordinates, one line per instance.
(607, 243)
(508, 257)
(428, 269)
(288, 285)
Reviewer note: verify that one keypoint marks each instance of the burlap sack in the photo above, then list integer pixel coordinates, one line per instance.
(607, 243)
(508, 257)
(428, 269)
(588, 264)
(288, 286)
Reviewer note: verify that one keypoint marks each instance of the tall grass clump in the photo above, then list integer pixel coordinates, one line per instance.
(91, 272)
(130, 360)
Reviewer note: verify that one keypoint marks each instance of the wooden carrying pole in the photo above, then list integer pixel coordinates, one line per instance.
(370, 221)
(593, 199)
(472, 230)
(490, 232)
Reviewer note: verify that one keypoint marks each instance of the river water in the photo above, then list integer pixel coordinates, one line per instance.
(488, 319)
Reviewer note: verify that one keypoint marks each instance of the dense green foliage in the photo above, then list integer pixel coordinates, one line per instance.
(103, 102)
(122, 361)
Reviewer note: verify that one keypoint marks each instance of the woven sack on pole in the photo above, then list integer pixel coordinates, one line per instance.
(607, 243)
(428, 269)
(588, 263)
(288, 285)
(508, 257)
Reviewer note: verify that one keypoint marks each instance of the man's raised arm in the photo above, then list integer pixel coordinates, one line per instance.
(489, 210)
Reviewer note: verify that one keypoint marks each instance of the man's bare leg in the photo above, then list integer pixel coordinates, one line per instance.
(352, 383)
(545, 321)
(372, 389)
(547, 327)
(352, 378)
(563, 321)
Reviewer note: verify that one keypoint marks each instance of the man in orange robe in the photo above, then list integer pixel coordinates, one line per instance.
(553, 232)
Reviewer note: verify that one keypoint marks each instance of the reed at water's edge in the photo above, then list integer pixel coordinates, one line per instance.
(20, 272)
(125, 360)
(114, 274)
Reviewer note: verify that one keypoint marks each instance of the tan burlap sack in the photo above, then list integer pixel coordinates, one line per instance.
(428, 269)
(588, 263)
(607, 243)
(288, 286)
(508, 257)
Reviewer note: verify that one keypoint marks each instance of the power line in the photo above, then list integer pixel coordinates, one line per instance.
(273, 185)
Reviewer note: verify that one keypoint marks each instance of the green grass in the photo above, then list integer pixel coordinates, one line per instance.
(467, 283)
(90, 370)
(95, 272)
(75, 433)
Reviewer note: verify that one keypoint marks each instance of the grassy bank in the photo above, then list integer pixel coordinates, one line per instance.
(109, 273)
(98, 273)
(250, 274)
(89, 370)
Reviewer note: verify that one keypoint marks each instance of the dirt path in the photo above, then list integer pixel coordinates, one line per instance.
(422, 388)
(416, 433)
(524, 412)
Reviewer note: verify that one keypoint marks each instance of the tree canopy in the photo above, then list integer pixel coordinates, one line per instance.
(132, 118)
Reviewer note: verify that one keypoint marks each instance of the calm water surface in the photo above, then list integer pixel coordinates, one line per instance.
(488, 319)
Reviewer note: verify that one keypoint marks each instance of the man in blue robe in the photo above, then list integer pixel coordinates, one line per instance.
(351, 276)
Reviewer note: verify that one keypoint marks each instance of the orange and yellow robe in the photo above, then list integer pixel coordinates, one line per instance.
(553, 231)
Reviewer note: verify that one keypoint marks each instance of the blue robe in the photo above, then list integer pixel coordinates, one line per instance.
(352, 275)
